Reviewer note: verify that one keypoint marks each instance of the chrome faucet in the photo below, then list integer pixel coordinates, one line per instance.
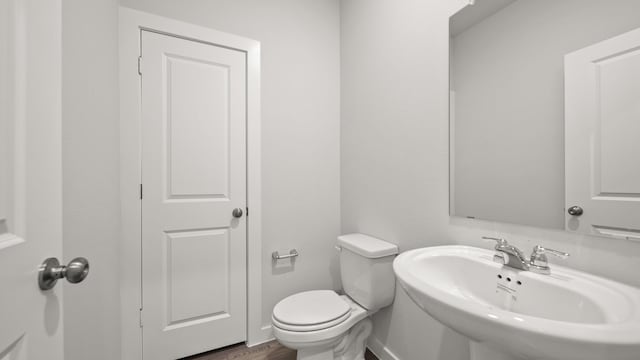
(513, 257)
(508, 254)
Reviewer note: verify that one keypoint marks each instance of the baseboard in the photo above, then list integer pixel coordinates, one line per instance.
(261, 336)
(380, 350)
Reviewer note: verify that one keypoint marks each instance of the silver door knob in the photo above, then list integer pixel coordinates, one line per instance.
(575, 211)
(237, 213)
(51, 270)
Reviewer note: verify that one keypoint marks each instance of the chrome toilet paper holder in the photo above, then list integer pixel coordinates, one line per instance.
(292, 254)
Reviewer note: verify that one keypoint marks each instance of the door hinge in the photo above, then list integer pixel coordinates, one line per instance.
(139, 65)
(140, 317)
(140, 191)
(247, 211)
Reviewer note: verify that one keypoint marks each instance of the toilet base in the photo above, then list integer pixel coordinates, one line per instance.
(350, 347)
(315, 354)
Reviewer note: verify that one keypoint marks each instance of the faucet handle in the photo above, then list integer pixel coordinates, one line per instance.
(539, 261)
(499, 241)
(540, 252)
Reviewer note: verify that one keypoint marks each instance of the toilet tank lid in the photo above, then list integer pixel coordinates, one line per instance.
(367, 246)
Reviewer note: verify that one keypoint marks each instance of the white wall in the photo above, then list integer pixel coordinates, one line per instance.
(395, 149)
(395, 162)
(509, 104)
(300, 128)
(90, 155)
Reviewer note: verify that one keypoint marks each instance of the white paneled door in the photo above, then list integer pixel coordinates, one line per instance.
(193, 196)
(602, 101)
(31, 320)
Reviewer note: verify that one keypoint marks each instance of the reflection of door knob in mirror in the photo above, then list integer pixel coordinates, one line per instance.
(575, 211)
(237, 213)
(51, 270)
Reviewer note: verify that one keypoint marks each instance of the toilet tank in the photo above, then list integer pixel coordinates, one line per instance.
(366, 268)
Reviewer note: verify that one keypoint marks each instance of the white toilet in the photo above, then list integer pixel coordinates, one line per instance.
(323, 325)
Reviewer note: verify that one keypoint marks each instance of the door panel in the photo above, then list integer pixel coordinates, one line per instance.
(619, 120)
(602, 87)
(198, 265)
(194, 175)
(199, 156)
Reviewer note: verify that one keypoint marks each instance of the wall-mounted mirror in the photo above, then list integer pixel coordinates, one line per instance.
(508, 102)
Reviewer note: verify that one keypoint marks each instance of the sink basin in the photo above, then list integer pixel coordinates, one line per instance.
(512, 314)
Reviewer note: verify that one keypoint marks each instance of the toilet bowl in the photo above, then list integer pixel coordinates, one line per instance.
(330, 326)
(323, 325)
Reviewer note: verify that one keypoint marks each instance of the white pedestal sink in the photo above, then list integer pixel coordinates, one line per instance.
(510, 314)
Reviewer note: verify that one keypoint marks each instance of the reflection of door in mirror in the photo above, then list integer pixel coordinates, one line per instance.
(507, 72)
(602, 92)
(5, 103)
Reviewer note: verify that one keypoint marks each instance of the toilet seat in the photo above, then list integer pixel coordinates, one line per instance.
(314, 327)
(311, 311)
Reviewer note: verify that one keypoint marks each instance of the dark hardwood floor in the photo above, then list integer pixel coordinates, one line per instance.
(267, 351)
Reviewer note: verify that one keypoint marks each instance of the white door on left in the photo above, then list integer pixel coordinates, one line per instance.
(31, 324)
